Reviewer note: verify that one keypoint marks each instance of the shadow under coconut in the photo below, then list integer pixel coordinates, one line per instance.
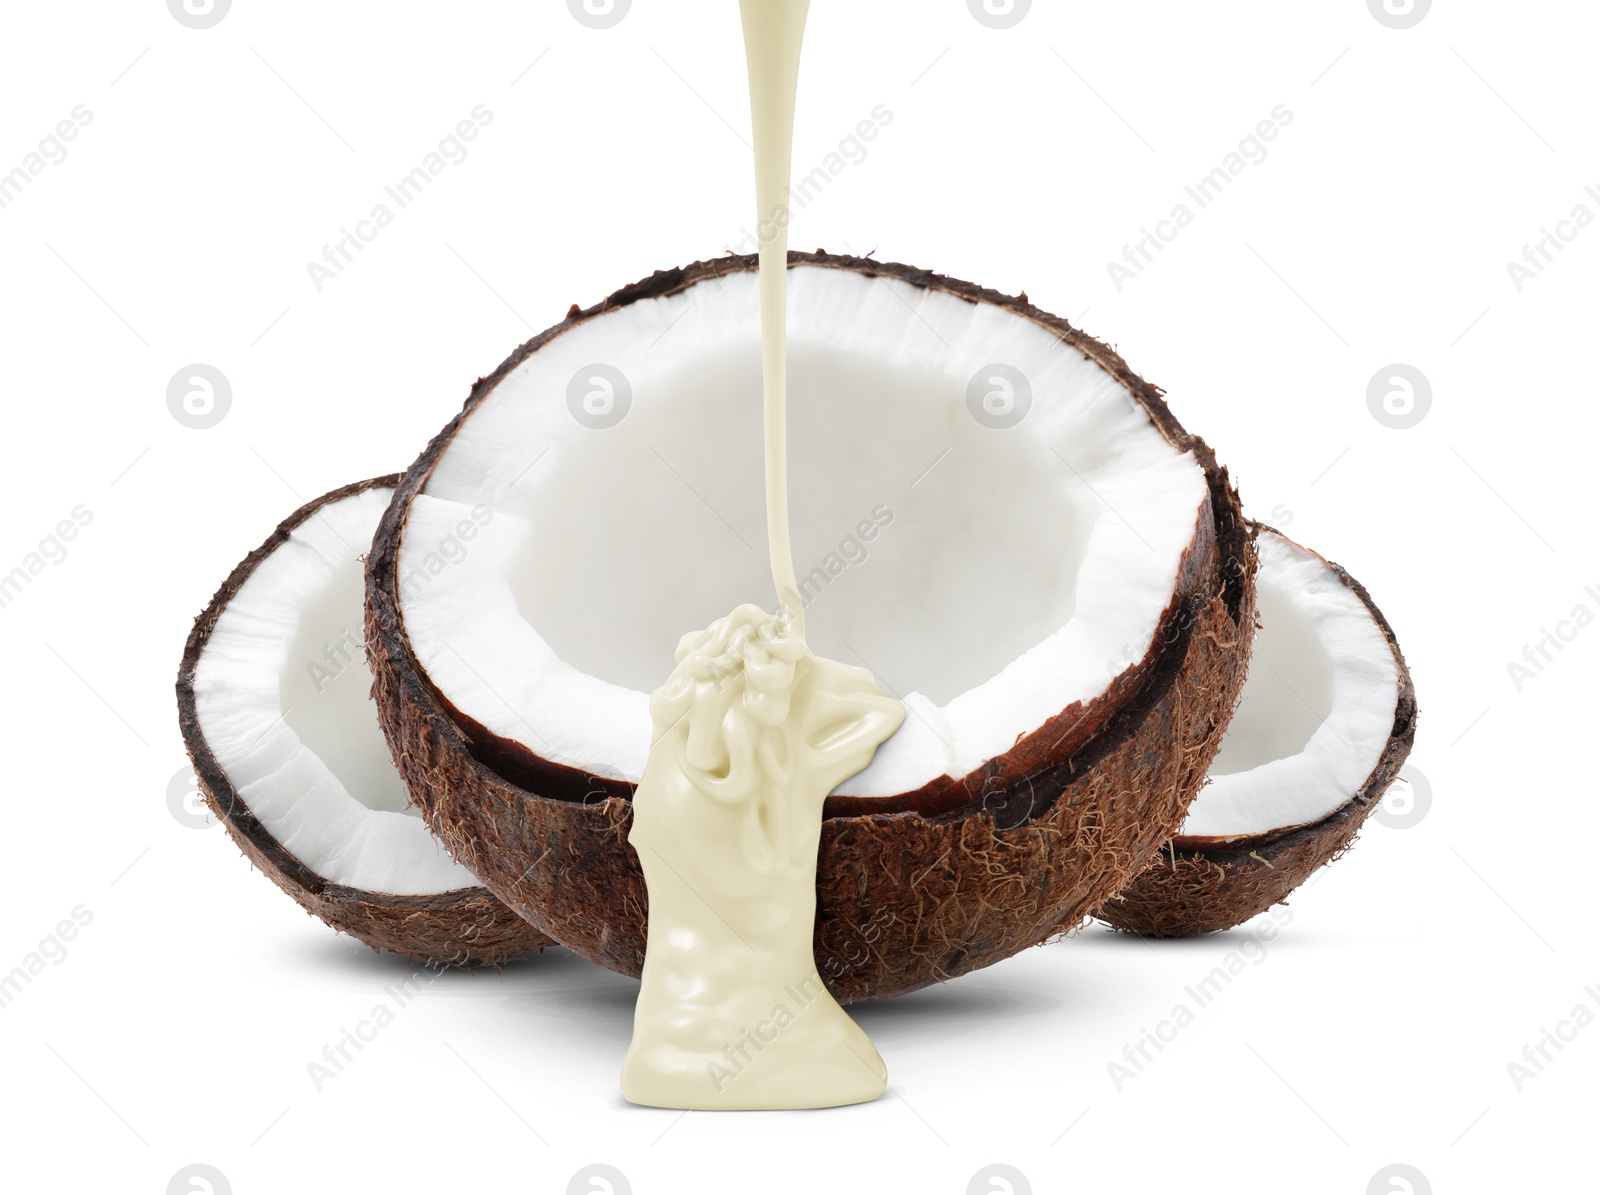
(588, 998)
(584, 998)
(1289, 939)
(341, 961)
(971, 1003)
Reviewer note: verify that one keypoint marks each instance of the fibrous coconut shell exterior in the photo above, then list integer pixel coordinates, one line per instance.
(465, 927)
(910, 890)
(1194, 888)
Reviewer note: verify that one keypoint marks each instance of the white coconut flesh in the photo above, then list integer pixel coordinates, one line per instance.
(282, 698)
(1317, 709)
(989, 577)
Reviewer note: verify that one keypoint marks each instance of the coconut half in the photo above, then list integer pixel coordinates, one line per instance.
(274, 704)
(1324, 724)
(992, 513)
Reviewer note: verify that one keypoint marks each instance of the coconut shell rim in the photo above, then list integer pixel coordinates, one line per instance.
(1223, 542)
(342, 905)
(1307, 848)
(1403, 733)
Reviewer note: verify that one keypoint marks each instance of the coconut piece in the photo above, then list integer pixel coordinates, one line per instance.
(542, 558)
(275, 709)
(1324, 724)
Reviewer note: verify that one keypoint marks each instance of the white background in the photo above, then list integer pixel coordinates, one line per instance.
(219, 162)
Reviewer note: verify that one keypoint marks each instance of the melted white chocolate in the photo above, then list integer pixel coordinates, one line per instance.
(750, 734)
(773, 31)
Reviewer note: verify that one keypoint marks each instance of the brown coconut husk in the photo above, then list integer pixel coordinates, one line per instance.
(466, 927)
(912, 889)
(1196, 887)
